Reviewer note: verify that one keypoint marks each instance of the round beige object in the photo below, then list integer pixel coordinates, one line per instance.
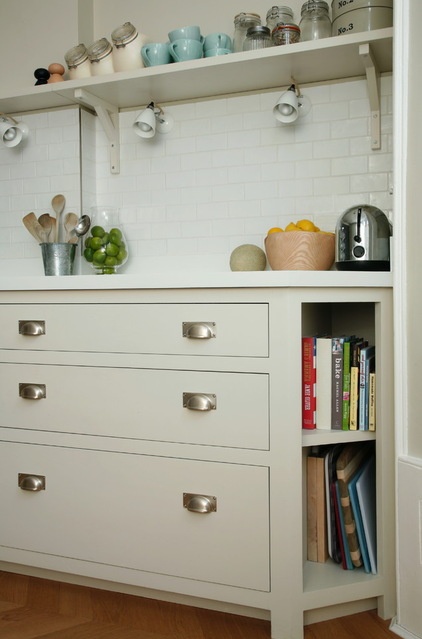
(248, 257)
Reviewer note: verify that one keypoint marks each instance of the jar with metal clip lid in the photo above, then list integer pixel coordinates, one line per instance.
(100, 55)
(288, 33)
(127, 45)
(78, 62)
(242, 22)
(278, 14)
(315, 21)
(257, 38)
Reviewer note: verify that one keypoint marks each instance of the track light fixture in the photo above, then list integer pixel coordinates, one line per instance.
(152, 119)
(291, 105)
(12, 132)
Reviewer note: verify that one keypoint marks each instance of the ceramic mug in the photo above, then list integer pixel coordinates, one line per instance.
(217, 51)
(186, 33)
(156, 53)
(181, 50)
(217, 41)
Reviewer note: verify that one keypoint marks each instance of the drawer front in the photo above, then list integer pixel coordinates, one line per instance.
(128, 511)
(221, 409)
(180, 329)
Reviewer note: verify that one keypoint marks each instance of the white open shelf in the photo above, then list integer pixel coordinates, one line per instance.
(307, 62)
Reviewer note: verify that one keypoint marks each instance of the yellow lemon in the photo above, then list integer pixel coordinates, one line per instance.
(292, 227)
(275, 229)
(306, 225)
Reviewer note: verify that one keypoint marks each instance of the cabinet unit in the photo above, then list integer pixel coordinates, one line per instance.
(177, 464)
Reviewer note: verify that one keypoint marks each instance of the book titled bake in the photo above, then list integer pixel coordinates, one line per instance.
(308, 382)
(337, 382)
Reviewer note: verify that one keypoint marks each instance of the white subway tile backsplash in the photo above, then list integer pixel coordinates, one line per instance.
(225, 174)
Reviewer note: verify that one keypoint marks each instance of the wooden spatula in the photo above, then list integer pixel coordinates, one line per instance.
(34, 227)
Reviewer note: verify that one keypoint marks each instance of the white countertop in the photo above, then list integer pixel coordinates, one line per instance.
(195, 279)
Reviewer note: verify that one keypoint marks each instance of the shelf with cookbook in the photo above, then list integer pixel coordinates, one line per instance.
(333, 571)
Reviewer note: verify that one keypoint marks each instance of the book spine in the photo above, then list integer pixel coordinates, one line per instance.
(362, 390)
(346, 386)
(312, 544)
(323, 382)
(354, 383)
(337, 383)
(367, 356)
(308, 382)
(372, 416)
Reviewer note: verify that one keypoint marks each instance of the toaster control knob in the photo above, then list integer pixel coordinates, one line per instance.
(358, 251)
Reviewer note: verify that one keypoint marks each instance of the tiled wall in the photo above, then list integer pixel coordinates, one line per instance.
(223, 176)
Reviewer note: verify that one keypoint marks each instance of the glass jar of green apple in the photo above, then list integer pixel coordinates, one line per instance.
(105, 247)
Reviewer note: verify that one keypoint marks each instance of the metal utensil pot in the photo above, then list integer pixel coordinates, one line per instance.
(363, 240)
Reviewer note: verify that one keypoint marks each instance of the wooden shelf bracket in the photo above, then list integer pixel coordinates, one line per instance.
(373, 80)
(108, 115)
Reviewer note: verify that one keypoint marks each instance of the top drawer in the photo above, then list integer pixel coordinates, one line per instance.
(171, 329)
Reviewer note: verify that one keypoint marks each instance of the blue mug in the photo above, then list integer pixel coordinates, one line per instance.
(156, 53)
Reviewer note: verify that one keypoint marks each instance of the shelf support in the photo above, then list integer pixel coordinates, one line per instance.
(108, 115)
(373, 80)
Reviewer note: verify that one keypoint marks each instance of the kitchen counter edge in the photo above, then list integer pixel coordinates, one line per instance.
(189, 280)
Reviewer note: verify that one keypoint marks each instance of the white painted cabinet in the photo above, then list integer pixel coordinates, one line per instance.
(202, 499)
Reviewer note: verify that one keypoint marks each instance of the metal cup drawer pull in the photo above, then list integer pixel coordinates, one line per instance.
(198, 330)
(32, 391)
(31, 327)
(33, 483)
(200, 401)
(202, 504)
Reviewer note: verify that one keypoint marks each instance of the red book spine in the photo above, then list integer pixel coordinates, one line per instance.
(308, 382)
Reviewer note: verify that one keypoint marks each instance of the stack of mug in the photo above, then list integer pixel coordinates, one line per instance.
(186, 43)
(217, 44)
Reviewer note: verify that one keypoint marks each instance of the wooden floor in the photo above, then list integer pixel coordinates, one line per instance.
(36, 608)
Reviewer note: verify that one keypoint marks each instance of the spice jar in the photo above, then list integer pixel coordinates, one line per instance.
(100, 55)
(242, 22)
(286, 34)
(78, 62)
(278, 14)
(315, 22)
(257, 38)
(127, 47)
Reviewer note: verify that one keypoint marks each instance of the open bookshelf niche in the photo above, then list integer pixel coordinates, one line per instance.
(345, 551)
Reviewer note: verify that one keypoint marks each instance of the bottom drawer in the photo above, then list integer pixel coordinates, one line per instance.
(128, 510)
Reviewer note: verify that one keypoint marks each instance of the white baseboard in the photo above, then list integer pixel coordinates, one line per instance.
(402, 632)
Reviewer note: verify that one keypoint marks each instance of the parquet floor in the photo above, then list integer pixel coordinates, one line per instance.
(33, 608)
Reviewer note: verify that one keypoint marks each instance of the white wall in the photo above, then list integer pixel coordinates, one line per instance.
(223, 176)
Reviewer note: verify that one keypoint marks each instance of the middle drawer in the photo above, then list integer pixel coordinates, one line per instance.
(209, 408)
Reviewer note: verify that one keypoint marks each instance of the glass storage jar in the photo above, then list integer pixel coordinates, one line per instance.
(100, 55)
(285, 34)
(78, 62)
(257, 38)
(315, 22)
(242, 22)
(278, 14)
(126, 48)
(105, 247)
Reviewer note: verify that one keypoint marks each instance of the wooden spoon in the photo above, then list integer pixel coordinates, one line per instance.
(70, 221)
(46, 222)
(58, 203)
(34, 227)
